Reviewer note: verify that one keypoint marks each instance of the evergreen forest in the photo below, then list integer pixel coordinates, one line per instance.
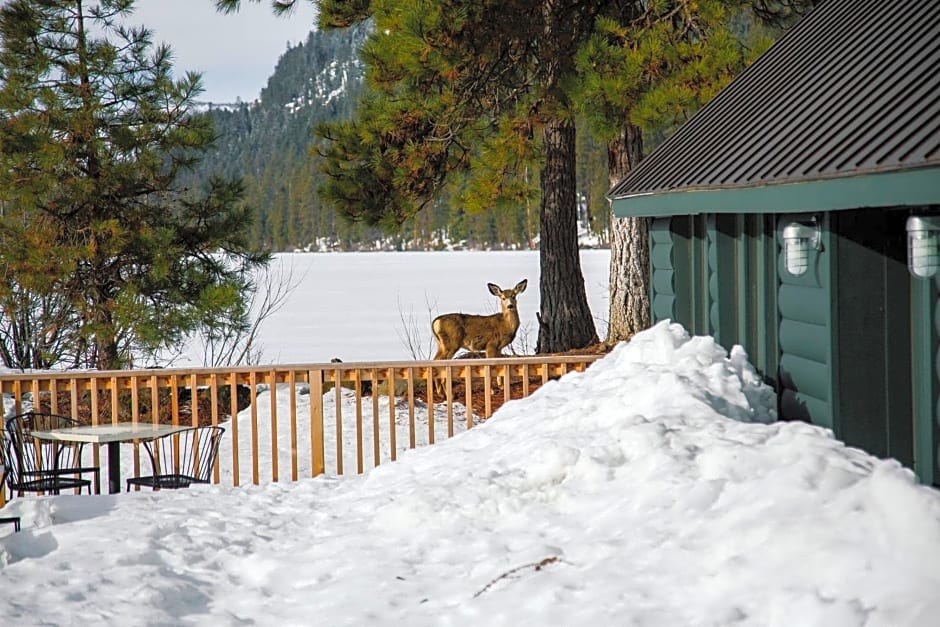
(390, 128)
(270, 144)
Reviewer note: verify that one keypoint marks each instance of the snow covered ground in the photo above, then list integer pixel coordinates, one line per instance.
(365, 306)
(652, 489)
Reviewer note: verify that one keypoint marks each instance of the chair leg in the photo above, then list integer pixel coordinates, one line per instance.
(14, 520)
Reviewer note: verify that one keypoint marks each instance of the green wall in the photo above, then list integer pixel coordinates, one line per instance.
(852, 345)
(679, 280)
(715, 274)
(805, 335)
(925, 354)
(872, 313)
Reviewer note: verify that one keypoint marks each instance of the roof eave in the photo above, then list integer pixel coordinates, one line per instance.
(912, 187)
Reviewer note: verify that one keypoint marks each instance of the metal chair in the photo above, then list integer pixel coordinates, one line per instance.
(44, 466)
(181, 459)
(11, 520)
(6, 520)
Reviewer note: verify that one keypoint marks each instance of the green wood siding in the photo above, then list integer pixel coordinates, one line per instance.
(716, 275)
(806, 360)
(662, 271)
(925, 359)
(758, 267)
(742, 287)
(724, 279)
(679, 272)
(871, 315)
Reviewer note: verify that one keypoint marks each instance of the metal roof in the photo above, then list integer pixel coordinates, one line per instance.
(853, 89)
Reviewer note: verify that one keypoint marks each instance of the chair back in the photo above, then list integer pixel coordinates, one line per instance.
(28, 456)
(189, 454)
(8, 469)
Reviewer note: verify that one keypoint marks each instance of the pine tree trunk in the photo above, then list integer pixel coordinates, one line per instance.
(565, 321)
(107, 354)
(629, 248)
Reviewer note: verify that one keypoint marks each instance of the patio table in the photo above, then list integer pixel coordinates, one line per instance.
(112, 435)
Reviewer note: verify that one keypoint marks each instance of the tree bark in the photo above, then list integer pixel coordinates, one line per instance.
(107, 352)
(565, 321)
(629, 311)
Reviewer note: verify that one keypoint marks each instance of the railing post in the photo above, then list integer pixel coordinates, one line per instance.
(338, 413)
(376, 446)
(96, 448)
(253, 395)
(292, 386)
(214, 399)
(272, 397)
(392, 430)
(54, 396)
(411, 407)
(233, 412)
(430, 394)
(468, 393)
(174, 399)
(317, 454)
(449, 383)
(112, 381)
(488, 390)
(194, 400)
(360, 444)
(135, 418)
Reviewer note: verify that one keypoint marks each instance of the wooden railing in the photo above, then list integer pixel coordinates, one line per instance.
(314, 426)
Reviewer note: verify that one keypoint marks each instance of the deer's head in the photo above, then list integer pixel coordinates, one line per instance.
(507, 298)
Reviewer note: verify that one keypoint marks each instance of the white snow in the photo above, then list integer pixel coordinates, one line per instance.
(652, 489)
(364, 306)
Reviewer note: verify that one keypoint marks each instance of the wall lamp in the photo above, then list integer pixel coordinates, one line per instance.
(799, 239)
(923, 245)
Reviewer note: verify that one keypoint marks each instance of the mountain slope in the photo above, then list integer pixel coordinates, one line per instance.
(267, 142)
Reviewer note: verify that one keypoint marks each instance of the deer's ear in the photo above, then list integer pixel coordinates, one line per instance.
(494, 289)
(520, 286)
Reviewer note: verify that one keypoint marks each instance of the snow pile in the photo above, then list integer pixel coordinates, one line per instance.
(652, 489)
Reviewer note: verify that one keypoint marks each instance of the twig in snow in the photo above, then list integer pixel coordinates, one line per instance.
(537, 566)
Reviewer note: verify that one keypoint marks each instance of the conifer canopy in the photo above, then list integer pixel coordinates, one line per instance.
(97, 239)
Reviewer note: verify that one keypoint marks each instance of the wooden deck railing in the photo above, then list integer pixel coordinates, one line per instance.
(315, 426)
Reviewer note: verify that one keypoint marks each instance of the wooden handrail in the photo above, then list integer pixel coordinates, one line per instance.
(166, 395)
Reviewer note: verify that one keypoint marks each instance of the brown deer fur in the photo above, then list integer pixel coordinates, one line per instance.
(491, 333)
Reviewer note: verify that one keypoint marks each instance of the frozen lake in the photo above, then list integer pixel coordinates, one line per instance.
(365, 306)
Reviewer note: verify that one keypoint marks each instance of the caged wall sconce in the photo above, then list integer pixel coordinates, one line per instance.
(799, 239)
(923, 245)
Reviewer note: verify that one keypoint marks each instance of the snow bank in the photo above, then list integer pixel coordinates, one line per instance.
(652, 489)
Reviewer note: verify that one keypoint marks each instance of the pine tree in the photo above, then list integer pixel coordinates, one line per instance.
(485, 89)
(94, 131)
(643, 73)
(448, 81)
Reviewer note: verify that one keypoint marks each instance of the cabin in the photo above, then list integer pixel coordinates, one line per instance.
(798, 215)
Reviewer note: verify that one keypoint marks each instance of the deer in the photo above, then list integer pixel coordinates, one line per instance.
(492, 333)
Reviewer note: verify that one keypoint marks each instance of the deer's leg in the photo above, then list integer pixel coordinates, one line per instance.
(445, 349)
(440, 354)
(493, 351)
(443, 352)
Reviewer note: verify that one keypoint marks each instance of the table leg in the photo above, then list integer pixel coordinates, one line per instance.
(114, 467)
